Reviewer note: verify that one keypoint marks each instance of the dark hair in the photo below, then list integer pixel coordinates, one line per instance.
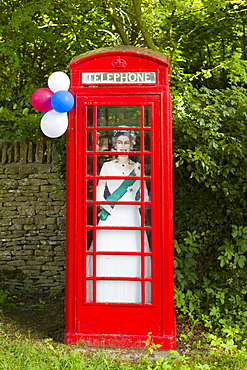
(122, 132)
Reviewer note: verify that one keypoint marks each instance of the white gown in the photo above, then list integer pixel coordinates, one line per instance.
(118, 265)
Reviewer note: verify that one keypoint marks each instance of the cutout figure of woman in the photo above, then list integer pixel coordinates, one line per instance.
(120, 215)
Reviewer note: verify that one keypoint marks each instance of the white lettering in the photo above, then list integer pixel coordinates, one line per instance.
(109, 77)
(132, 77)
(140, 77)
(124, 77)
(153, 76)
(98, 77)
(119, 78)
(85, 78)
(147, 77)
(116, 77)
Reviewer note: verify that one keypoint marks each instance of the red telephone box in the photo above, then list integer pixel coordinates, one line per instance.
(119, 283)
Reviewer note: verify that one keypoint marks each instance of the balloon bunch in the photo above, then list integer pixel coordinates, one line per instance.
(55, 102)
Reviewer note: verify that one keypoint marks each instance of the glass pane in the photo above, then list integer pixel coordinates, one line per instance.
(147, 191)
(148, 267)
(117, 140)
(147, 246)
(147, 216)
(89, 265)
(123, 165)
(103, 141)
(90, 116)
(90, 215)
(89, 189)
(89, 239)
(116, 291)
(146, 196)
(118, 240)
(118, 115)
(119, 215)
(89, 141)
(118, 266)
(147, 141)
(89, 165)
(147, 165)
(89, 297)
(147, 116)
(148, 292)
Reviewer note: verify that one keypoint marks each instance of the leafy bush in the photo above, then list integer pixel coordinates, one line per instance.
(5, 298)
(210, 142)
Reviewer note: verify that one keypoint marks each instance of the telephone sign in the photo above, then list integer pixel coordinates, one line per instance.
(119, 78)
(119, 282)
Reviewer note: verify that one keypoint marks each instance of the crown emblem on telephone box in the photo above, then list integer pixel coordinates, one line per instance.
(119, 63)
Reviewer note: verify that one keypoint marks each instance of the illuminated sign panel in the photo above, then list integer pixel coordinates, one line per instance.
(119, 78)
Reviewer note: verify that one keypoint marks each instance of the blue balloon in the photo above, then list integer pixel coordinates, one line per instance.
(62, 101)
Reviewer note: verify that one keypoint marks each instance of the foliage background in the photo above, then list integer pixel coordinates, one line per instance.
(206, 40)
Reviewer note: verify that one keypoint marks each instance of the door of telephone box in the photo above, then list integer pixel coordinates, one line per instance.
(118, 253)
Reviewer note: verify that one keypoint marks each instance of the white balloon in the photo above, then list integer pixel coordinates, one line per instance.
(54, 124)
(58, 81)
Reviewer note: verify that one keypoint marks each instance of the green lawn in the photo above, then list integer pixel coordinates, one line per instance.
(25, 343)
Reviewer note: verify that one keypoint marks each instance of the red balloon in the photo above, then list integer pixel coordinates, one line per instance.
(41, 99)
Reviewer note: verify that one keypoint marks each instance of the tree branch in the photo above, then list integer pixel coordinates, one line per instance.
(147, 38)
(118, 24)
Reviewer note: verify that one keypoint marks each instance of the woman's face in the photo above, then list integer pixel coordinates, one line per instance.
(123, 144)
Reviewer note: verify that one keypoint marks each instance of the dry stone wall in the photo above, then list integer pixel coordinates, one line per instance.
(32, 216)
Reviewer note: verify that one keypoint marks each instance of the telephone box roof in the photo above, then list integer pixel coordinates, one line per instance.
(153, 55)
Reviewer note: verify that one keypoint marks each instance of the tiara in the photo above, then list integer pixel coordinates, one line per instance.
(129, 132)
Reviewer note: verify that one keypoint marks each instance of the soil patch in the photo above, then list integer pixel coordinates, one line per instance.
(38, 316)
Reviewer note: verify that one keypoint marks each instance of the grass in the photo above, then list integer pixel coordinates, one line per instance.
(26, 345)
(27, 354)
